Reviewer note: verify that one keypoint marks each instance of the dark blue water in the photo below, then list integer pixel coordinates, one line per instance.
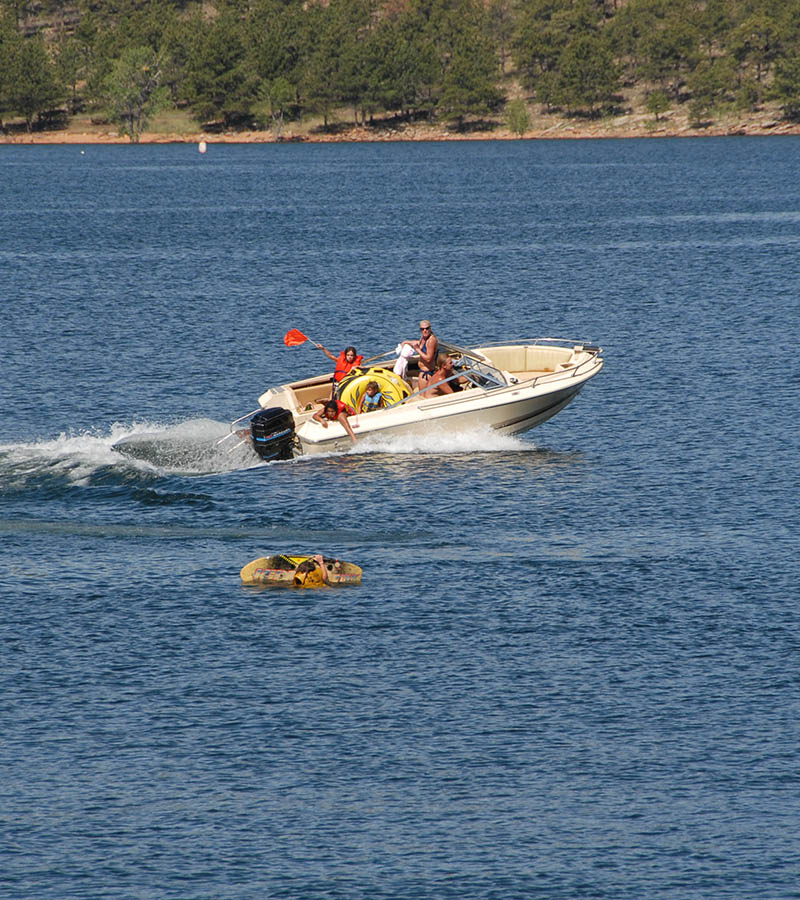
(573, 667)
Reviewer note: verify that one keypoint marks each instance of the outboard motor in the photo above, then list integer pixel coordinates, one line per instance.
(272, 431)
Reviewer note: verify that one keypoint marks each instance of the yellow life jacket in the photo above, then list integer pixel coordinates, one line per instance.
(312, 579)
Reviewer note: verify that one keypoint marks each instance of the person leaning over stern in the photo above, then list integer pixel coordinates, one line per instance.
(336, 411)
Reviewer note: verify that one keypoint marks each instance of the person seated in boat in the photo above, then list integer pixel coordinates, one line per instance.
(427, 348)
(439, 385)
(335, 411)
(373, 398)
(343, 363)
(312, 573)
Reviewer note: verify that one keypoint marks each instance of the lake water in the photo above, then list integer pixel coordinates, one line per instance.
(573, 667)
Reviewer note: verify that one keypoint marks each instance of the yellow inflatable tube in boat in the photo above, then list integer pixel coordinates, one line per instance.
(354, 386)
(282, 569)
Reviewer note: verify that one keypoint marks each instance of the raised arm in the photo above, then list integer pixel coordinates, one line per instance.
(321, 563)
(326, 352)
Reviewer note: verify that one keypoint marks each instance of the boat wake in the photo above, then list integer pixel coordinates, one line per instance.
(143, 449)
(197, 447)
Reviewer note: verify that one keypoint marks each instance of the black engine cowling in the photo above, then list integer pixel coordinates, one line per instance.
(272, 431)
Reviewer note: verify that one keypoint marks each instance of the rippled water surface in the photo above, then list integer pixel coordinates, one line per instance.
(571, 670)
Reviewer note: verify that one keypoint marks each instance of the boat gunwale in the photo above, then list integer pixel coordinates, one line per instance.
(595, 358)
(498, 394)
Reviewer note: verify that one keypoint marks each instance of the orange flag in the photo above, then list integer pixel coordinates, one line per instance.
(293, 338)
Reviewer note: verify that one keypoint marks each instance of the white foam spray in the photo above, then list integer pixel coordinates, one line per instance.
(190, 447)
(475, 440)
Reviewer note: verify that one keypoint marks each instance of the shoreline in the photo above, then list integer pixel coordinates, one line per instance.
(628, 126)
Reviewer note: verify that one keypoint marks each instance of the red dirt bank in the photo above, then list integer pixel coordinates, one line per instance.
(634, 125)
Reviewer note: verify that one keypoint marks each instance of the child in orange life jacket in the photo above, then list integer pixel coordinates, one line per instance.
(344, 362)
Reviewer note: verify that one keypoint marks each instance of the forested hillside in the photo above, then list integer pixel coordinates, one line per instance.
(262, 63)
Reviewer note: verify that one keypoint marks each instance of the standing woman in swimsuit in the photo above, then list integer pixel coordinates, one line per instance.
(428, 349)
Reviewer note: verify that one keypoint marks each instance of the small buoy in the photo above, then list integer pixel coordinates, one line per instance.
(202, 147)
(83, 152)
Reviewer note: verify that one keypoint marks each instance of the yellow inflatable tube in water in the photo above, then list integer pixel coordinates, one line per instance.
(354, 386)
(283, 570)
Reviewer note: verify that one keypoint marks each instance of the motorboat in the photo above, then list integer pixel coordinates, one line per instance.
(508, 387)
(282, 569)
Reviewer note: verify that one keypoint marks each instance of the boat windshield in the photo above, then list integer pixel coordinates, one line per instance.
(474, 367)
(469, 366)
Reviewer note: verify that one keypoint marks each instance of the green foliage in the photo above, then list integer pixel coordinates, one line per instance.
(132, 90)
(321, 70)
(501, 27)
(755, 44)
(469, 85)
(587, 77)
(786, 87)
(230, 59)
(7, 35)
(353, 20)
(29, 84)
(714, 21)
(544, 29)
(218, 82)
(280, 95)
(658, 41)
(657, 103)
(273, 38)
(15, 11)
(517, 117)
(635, 23)
(749, 94)
(667, 53)
(711, 85)
(407, 68)
(70, 69)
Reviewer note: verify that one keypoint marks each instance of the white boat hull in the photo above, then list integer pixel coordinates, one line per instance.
(509, 388)
(512, 410)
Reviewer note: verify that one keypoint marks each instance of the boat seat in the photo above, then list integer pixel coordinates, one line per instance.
(527, 376)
